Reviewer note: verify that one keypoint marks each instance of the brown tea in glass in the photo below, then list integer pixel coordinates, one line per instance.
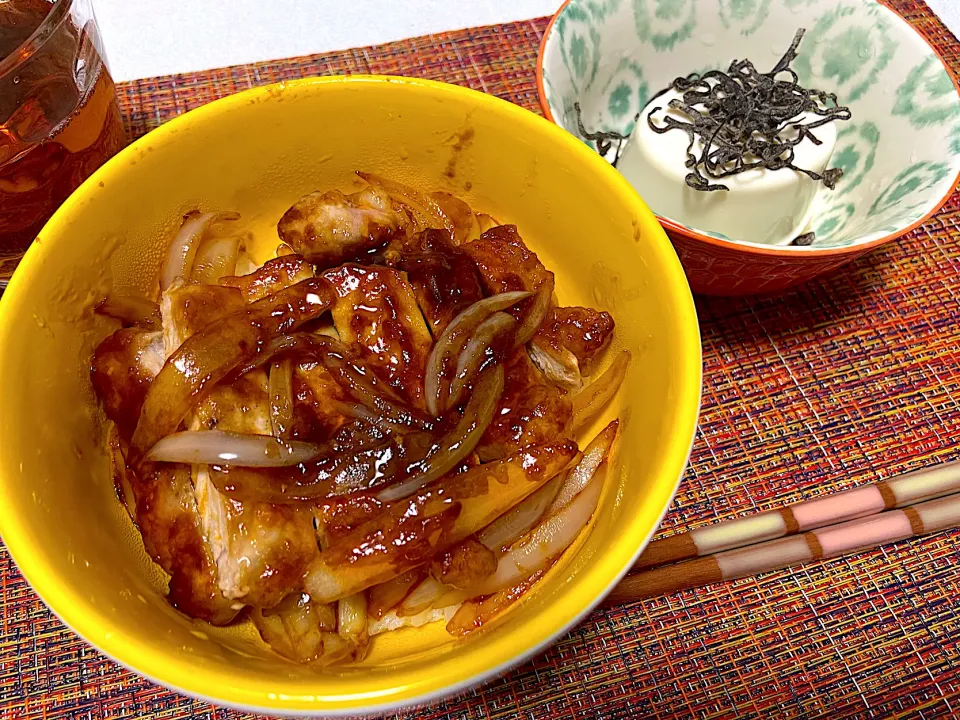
(59, 119)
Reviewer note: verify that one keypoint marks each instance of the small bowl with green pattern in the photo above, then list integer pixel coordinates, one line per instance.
(899, 152)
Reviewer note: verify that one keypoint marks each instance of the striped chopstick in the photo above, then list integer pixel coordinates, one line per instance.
(807, 515)
(827, 542)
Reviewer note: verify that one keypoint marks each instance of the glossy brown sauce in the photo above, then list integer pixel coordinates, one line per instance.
(271, 277)
(120, 377)
(377, 312)
(445, 280)
(585, 332)
(464, 566)
(530, 412)
(255, 536)
(168, 520)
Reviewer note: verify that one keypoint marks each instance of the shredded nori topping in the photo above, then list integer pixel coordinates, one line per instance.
(741, 116)
(603, 138)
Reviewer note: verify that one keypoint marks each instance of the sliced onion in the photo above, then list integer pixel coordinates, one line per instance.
(497, 326)
(388, 595)
(426, 212)
(536, 313)
(185, 243)
(474, 614)
(411, 459)
(216, 258)
(423, 597)
(337, 471)
(245, 264)
(392, 621)
(131, 310)
(465, 225)
(559, 366)
(303, 343)
(594, 397)
(183, 247)
(408, 533)
(541, 546)
(216, 447)
(455, 447)
(452, 339)
(350, 373)
(280, 386)
(581, 475)
(453, 597)
(352, 618)
(365, 386)
(510, 527)
(209, 355)
(358, 411)
(118, 470)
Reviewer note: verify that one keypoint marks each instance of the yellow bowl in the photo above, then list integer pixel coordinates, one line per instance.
(257, 152)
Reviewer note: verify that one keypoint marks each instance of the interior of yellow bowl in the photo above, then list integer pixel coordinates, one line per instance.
(258, 152)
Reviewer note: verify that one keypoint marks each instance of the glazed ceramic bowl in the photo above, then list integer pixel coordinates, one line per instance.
(258, 152)
(900, 152)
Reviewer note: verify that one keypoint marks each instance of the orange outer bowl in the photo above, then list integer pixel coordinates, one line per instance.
(715, 266)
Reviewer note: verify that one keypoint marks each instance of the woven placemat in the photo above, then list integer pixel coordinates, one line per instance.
(847, 380)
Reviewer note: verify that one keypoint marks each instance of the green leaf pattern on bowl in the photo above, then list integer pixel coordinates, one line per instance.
(747, 15)
(664, 23)
(918, 177)
(580, 45)
(627, 93)
(600, 9)
(833, 220)
(925, 96)
(855, 153)
(900, 153)
(845, 53)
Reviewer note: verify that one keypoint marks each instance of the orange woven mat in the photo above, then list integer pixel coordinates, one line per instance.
(843, 381)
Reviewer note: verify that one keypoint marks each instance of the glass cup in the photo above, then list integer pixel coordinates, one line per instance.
(59, 119)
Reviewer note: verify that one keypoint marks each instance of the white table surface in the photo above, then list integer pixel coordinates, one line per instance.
(145, 38)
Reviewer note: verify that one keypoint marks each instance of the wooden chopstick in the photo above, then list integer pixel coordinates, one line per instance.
(803, 516)
(831, 541)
